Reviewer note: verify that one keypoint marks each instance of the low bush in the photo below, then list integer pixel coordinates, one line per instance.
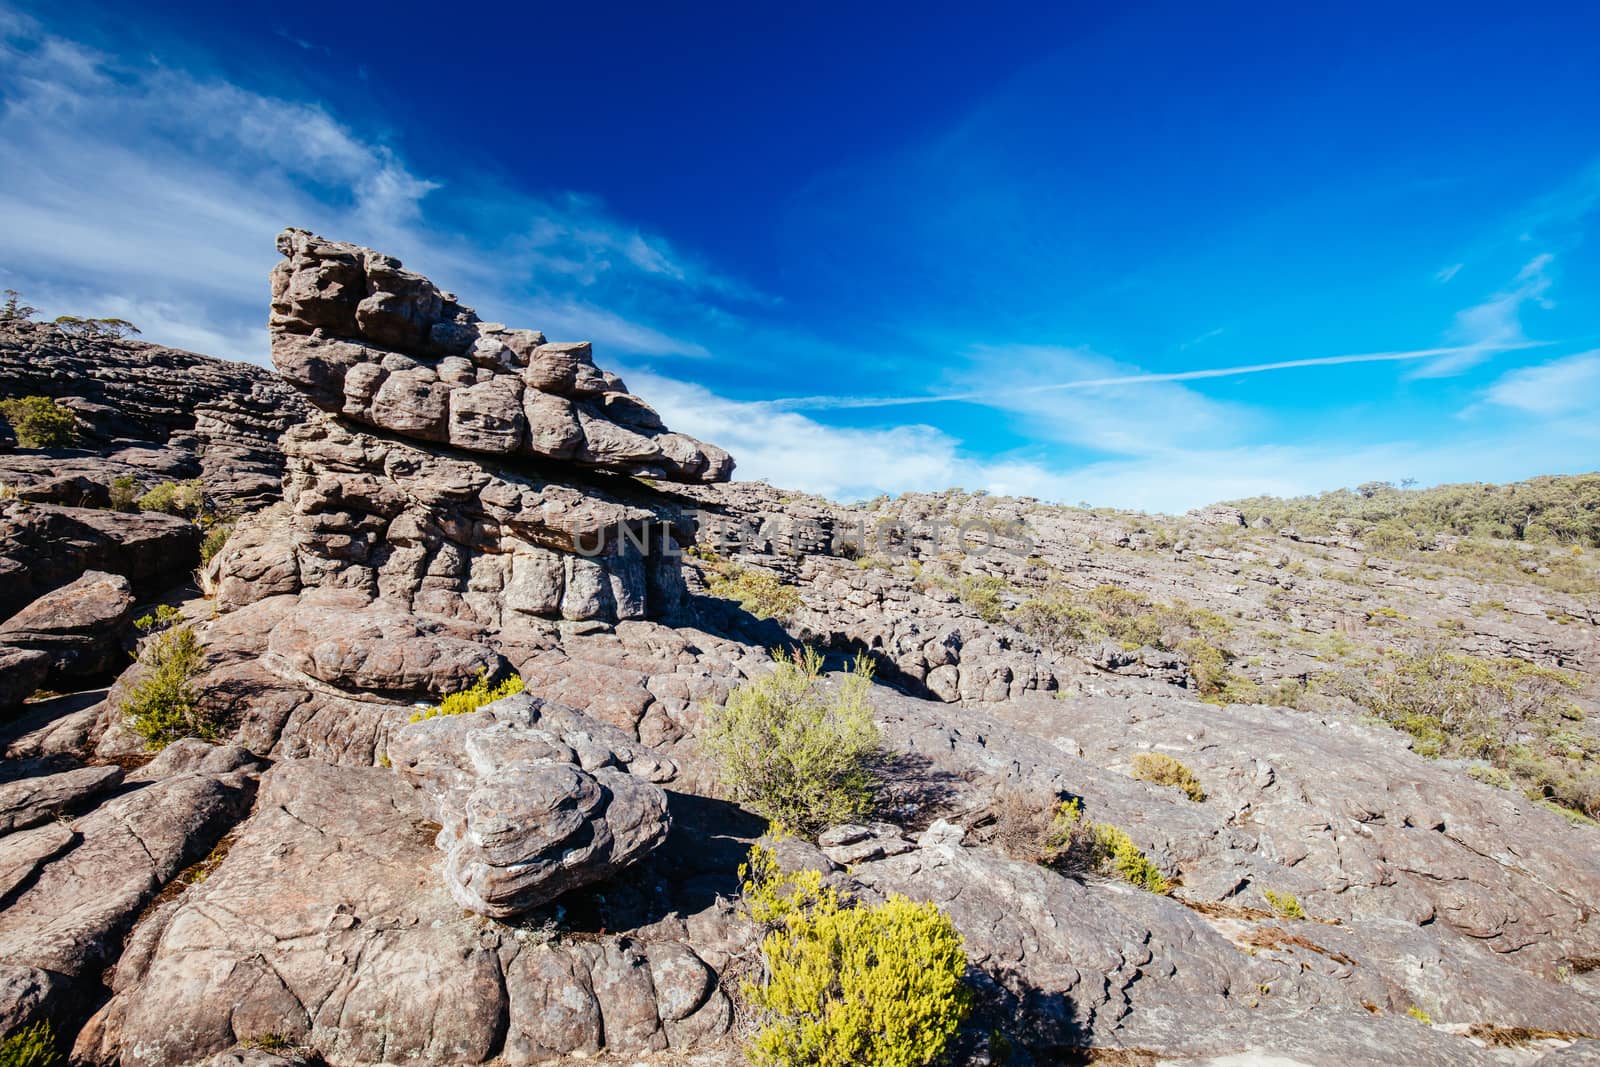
(850, 985)
(1075, 843)
(760, 592)
(472, 698)
(31, 1046)
(163, 618)
(164, 705)
(125, 493)
(187, 499)
(791, 751)
(40, 422)
(1071, 622)
(1162, 769)
(1285, 904)
(215, 538)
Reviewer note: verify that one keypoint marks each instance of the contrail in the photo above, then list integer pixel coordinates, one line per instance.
(813, 403)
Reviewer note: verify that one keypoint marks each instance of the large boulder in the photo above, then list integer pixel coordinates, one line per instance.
(43, 546)
(325, 927)
(79, 626)
(532, 804)
(22, 672)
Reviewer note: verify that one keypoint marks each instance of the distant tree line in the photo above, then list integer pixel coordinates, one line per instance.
(1551, 508)
(110, 329)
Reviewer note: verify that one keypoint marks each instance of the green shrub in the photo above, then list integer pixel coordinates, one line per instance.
(1490, 776)
(1162, 769)
(847, 985)
(215, 538)
(164, 617)
(1285, 904)
(31, 1046)
(40, 422)
(790, 751)
(760, 592)
(1216, 684)
(1421, 1016)
(472, 698)
(176, 498)
(982, 595)
(1077, 843)
(124, 493)
(164, 705)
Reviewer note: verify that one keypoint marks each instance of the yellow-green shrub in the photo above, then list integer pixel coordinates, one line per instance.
(847, 986)
(176, 498)
(760, 592)
(1077, 843)
(1285, 904)
(40, 422)
(1162, 769)
(215, 538)
(472, 698)
(31, 1046)
(789, 751)
(164, 705)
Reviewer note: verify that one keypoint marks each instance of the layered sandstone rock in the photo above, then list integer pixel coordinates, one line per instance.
(458, 468)
(534, 800)
(382, 346)
(150, 413)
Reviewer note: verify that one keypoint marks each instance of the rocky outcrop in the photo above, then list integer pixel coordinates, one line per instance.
(354, 949)
(220, 419)
(43, 547)
(73, 891)
(533, 800)
(383, 347)
(79, 626)
(459, 468)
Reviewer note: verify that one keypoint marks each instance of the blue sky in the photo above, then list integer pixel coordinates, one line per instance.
(1121, 254)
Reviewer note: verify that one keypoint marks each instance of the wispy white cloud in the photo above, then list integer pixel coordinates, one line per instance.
(1002, 396)
(1571, 384)
(1494, 325)
(794, 451)
(1444, 276)
(138, 185)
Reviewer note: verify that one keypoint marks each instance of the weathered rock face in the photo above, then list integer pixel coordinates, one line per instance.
(534, 800)
(220, 421)
(354, 947)
(482, 482)
(384, 347)
(43, 547)
(22, 671)
(79, 626)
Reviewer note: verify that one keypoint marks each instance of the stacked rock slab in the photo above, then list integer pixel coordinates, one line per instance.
(462, 468)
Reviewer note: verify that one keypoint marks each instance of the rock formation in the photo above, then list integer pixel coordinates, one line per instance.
(533, 803)
(459, 469)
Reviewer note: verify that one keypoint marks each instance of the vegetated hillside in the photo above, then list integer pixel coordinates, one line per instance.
(1479, 648)
(1563, 509)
